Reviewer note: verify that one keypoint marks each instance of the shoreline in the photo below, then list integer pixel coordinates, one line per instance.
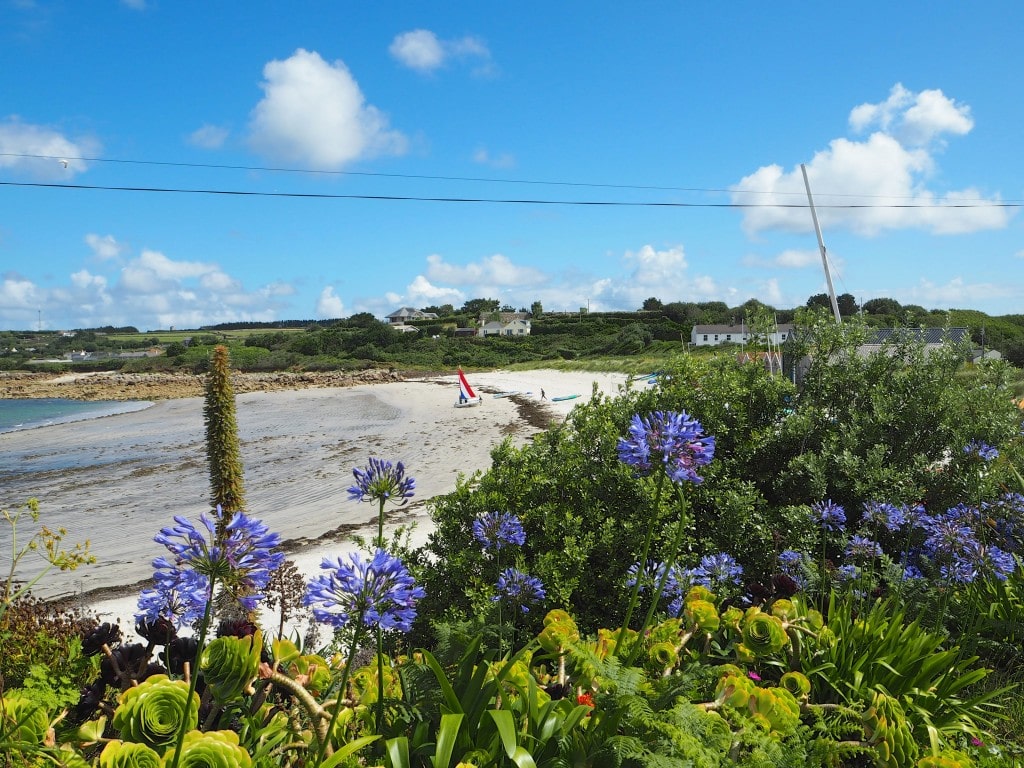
(118, 479)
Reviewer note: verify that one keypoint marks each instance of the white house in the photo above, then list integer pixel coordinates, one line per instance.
(517, 327)
(713, 335)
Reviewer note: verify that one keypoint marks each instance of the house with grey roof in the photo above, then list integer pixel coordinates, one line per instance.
(405, 314)
(713, 335)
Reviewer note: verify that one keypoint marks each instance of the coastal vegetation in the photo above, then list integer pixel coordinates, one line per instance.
(656, 330)
(724, 568)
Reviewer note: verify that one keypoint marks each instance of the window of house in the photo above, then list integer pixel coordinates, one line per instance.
(716, 337)
(728, 337)
(705, 337)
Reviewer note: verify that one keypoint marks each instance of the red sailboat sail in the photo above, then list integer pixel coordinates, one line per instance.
(467, 391)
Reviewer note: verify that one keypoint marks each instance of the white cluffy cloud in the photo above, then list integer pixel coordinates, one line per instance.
(329, 305)
(104, 247)
(315, 113)
(209, 136)
(879, 183)
(42, 153)
(421, 50)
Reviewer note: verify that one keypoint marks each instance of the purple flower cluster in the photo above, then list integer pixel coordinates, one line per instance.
(519, 589)
(496, 530)
(952, 541)
(982, 450)
(382, 481)
(882, 514)
(378, 592)
(673, 440)
(242, 562)
(863, 548)
(717, 571)
(830, 516)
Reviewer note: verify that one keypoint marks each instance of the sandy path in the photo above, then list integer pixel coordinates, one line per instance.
(116, 480)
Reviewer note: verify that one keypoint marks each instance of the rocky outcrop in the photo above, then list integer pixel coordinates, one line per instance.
(164, 386)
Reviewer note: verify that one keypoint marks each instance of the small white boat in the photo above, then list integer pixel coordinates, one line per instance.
(467, 397)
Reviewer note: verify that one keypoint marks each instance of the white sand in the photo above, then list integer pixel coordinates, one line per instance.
(132, 472)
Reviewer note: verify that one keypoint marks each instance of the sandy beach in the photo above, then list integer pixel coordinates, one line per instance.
(117, 480)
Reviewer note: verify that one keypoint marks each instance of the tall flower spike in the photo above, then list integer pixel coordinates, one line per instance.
(381, 481)
(672, 439)
(379, 590)
(497, 530)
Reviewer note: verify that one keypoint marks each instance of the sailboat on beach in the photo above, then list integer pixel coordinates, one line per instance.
(467, 397)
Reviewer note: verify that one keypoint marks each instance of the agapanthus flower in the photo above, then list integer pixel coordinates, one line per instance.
(381, 481)
(651, 574)
(982, 450)
(847, 573)
(882, 513)
(243, 563)
(716, 571)
(379, 592)
(862, 547)
(178, 596)
(948, 533)
(987, 559)
(672, 439)
(828, 515)
(497, 530)
(519, 589)
(792, 565)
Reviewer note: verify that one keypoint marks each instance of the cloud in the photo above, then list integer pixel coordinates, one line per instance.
(503, 160)
(209, 137)
(956, 293)
(313, 112)
(491, 272)
(329, 305)
(42, 153)
(421, 50)
(797, 259)
(914, 118)
(104, 247)
(877, 184)
(18, 295)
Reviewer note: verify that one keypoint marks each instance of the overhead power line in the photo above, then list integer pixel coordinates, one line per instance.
(494, 200)
(965, 202)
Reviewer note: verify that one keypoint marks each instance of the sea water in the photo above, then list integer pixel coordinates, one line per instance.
(18, 414)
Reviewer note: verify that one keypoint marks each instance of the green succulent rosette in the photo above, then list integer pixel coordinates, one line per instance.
(949, 758)
(796, 683)
(129, 754)
(699, 592)
(151, 712)
(887, 730)
(784, 609)
(734, 690)
(703, 615)
(732, 617)
(230, 664)
(663, 655)
(763, 634)
(559, 630)
(67, 757)
(28, 718)
(776, 709)
(213, 749)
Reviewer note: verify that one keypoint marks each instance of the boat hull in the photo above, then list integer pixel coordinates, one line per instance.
(468, 403)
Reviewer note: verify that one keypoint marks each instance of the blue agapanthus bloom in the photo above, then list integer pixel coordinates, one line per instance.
(497, 530)
(881, 513)
(673, 440)
(862, 547)
(177, 595)
(830, 516)
(380, 592)
(717, 571)
(651, 574)
(382, 481)
(982, 450)
(985, 559)
(242, 563)
(519, 589)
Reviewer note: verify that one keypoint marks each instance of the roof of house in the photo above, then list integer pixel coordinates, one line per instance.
(881, 336)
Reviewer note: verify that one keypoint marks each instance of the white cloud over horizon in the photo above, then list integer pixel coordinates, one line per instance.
(884, 177)
(42, 153)
(423, 51)
(314, 112)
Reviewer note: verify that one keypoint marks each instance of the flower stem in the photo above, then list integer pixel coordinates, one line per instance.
(325, 733)
(643, 562)
(193, 679)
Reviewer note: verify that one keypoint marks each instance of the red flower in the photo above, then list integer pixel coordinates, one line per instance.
(585, 699)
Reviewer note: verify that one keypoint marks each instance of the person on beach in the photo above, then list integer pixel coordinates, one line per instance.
(542, 395)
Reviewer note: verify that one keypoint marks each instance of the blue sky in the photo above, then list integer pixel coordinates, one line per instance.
(346, 123)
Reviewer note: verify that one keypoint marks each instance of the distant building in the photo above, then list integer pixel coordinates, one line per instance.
(713, 335)
(517, 327)
(405, 314)
(931, 338)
